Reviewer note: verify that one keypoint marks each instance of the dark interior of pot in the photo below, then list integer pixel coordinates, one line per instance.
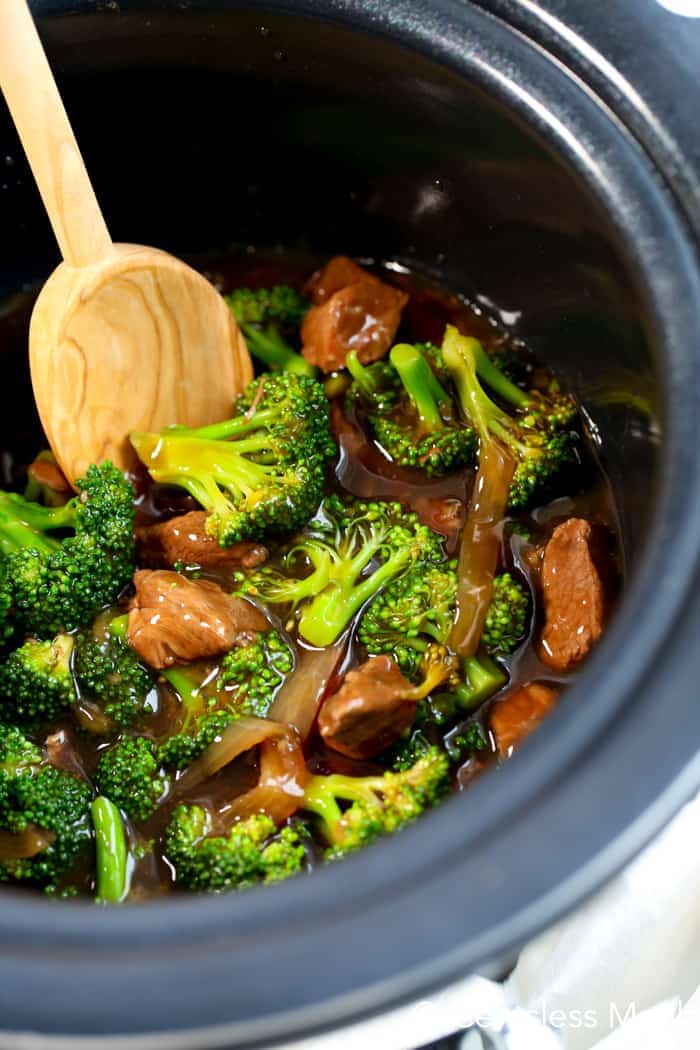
(218, 132)
(228, 131)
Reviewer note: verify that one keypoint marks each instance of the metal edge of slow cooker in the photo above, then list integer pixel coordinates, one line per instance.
(640, 62)
(556, 776)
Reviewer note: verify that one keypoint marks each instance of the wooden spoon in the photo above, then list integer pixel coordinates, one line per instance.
(122, 337)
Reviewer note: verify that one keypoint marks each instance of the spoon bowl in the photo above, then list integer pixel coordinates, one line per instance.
(137, 341)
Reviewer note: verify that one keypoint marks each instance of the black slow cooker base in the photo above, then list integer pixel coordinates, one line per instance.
(439, 137)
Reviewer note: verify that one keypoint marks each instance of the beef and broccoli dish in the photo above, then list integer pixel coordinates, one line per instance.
(293, 631)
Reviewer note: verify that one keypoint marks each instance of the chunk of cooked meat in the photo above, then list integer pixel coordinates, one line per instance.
(50, 475)
(176, 620)
(361, 315)
(574, 600)
(339, 272)
(517, 715)
(369, 712)
(185, 539)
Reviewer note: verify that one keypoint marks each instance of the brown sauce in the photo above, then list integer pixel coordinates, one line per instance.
(362, 470)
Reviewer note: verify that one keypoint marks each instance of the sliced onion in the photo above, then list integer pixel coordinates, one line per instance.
(240, 736)
(299, 699)
(25, 845)
(480, 545)
(280, 787)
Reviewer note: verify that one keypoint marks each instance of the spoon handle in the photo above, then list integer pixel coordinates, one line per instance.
(37, 110)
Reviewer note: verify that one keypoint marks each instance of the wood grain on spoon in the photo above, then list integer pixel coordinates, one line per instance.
(122, 337)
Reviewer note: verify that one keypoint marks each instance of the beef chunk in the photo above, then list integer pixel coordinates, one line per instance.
(368, 713)
(517, 715)
(338, 273)
(49, 475)
(176, 620)
(574, 600)
(185, 539)
(353, 311)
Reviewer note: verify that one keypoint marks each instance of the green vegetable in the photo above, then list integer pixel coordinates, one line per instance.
(52, 582)
(352, 549)
(108, 671)
(36, 683)
(506, 619)
(258, 474)
(378, 805)
(111, 851)
(251, 675)
(269, 319)
(410, 414)
(418, 609)
(248, 681)
(129, 773)
(537, 434)
(253, 851)
(35, 795)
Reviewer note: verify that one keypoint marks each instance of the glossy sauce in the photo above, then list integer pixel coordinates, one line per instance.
(361, 469)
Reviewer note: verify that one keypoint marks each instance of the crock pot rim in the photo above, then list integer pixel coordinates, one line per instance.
(73, 926)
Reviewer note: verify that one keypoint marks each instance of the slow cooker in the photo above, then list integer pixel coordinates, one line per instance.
(541, 158)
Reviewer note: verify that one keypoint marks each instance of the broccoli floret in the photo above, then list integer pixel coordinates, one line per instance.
(378, 805)
(248, 681)
(375, 386)
(36, 682)
(408, 750)
(251, 675)
(506, 619)
(58, 584)
(416, 425)
(353, 549)
(129, 774)
(409, 614)
(418, 609)
(107, 671)
(515, 364)
(180, 749)
(251, 852)
(199, 723)
(269, 319)
(36, 799)
(538, 434)
(467, 741)
(426, 733)
(260, 473)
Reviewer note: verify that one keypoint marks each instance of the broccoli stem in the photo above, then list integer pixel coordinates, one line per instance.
(482, 678)
(189, 693)
(14, 535)
(323, 619)
(36, 515)
(493, 377)
(118, 626)
(25, 524)
(420, 384)
(229, 428)
(193, 463)
(110, 845)
(480, 543)
(272, 350)
(320, 800)
(365, 380)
